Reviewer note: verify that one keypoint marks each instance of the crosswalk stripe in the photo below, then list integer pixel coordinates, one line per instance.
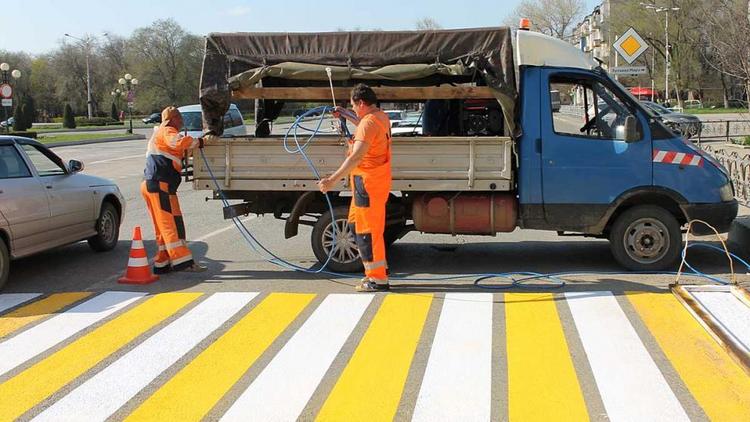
(542, 381)
(40, 381)
(193, 391)
(27, 314)
(730, 312)
(30, 343)
(457, 383)
(101, 395)
(284, 387)
(719, 385)
(630, 384)
(9, 300)
(371, 385)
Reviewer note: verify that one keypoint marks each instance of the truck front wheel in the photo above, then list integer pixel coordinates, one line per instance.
(333, 232)
(646, 238)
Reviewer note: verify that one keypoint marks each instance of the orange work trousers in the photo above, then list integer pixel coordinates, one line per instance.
(169, 227)
(367, 220)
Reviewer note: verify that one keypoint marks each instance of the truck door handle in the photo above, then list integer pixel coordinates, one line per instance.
(48, 186)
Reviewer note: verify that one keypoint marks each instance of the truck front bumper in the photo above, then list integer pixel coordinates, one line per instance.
(719, 215)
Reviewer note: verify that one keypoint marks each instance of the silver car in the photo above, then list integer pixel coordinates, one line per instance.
(45, 203)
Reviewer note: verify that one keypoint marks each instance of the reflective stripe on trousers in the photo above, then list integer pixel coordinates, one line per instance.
(169, 227)
(367, 216)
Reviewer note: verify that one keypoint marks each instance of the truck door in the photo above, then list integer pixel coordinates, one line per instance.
(586, 163)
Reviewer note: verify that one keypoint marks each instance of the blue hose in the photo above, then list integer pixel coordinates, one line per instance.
(514, 279)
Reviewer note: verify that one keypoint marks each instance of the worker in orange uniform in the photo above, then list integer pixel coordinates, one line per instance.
(159, 188)
(368, 164)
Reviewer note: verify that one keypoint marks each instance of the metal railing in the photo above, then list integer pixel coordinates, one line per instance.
(737, 162)
(723, 130)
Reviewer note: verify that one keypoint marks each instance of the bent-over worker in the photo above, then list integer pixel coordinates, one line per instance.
(368, 164)
(159, 189)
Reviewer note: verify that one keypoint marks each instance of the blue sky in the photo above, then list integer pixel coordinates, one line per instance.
(37, 26)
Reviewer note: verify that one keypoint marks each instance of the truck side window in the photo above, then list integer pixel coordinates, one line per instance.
(587, 108)
(12, 165)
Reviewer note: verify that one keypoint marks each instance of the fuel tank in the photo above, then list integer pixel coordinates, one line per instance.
(465, 213)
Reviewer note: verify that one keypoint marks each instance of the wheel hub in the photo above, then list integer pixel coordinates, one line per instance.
(343, 242)
(646, 240)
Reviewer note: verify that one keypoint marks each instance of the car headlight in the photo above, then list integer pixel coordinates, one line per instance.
(726, 192)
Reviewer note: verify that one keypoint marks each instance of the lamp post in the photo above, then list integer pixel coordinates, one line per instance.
(86, 45)
(666, 10)
(129, 83)
(6, 90)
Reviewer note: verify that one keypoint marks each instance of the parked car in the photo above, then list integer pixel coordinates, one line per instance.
(45, 203)
(688, 124)
(192, 120)
(7, 123)
(692, 104)
(396, 116)
(153, 118)
(410, 126)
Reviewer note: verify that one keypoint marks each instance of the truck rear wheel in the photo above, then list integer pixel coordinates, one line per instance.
(646, 238)
(345, 256)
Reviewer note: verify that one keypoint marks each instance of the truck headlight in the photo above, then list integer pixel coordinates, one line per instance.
(726, 192)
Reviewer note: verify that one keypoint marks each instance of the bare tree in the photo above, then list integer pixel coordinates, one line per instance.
(552, 17)
(427, 24)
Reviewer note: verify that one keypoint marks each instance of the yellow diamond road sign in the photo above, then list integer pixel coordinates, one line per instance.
(630, 45)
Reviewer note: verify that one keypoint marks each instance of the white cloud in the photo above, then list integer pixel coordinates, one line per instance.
(238, 11)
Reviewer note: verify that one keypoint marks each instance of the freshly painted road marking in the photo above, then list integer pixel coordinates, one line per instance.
(40, 381)
(25, 315)
(127, 157)
(716, 382)
(196, 388)
(729, 311)
(282, 390)
(222, 230)
(631, 386)
(371, 385)
(101, 395)
(24, 346)
(9, 300)
(457, 383)
(542, 381)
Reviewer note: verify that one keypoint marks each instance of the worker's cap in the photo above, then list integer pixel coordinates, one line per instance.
(170, 113)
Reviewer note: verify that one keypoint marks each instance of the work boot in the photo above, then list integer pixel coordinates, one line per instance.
(194, 268)
(369, 285)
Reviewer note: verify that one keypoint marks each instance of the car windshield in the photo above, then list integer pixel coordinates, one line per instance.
(191, 121)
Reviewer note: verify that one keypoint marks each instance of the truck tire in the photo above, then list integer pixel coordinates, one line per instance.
(4, 263)
(345, 258)
(107, 229)
(646, 238)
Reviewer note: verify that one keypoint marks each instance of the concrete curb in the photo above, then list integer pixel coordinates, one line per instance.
(739, 236)
(96, 141)
(92, 129)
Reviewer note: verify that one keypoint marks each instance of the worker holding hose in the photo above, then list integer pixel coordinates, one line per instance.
(368, 165)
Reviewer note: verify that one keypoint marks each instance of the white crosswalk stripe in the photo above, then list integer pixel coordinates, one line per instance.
(11, 300)
(283, 388)
(631, 385)
(17, 350)
(107, 391)
(458, 380)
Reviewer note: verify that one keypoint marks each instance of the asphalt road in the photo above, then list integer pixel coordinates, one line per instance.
(248, 338)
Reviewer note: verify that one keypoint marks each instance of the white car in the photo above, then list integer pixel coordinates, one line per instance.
(45, 203)
(192, 119)
(395, 116)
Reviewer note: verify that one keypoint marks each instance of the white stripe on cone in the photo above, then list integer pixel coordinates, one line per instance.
(138, 262)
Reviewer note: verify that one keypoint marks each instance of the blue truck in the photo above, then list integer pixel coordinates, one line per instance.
(520, 130)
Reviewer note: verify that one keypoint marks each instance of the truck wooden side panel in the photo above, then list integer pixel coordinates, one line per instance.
(419, 164)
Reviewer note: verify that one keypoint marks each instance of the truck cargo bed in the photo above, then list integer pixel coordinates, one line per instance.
(419, 164)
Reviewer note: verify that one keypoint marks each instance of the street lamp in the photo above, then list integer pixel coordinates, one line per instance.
(129, 83)
(6, 91)
(666, 10)
(86, 45)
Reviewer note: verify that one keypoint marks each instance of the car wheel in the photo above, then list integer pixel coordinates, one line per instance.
(4, 263)
(345, 255)
(646, 238)
(107, 229)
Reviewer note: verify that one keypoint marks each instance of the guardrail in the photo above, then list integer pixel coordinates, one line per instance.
(737, 162)
(723, 130)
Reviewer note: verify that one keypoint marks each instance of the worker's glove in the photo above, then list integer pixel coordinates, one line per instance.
(207, 138)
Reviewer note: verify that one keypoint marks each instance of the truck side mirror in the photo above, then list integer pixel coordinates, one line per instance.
(628, 132)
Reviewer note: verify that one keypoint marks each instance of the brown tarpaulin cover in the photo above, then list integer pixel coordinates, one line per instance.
(415, 58)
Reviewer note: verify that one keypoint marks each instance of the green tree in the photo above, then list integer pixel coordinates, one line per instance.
(69, 120)
(18, 120)
(29, 111)
(113, 112)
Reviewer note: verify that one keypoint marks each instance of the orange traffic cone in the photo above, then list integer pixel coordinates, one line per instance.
(138, 271)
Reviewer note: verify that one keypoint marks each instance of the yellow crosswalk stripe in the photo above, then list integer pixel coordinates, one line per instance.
(542, 381)
(196, 388)
(25, 315)
(35, 384)
(371, 385)
(716, 382)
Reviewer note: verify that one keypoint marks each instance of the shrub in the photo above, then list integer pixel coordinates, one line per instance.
(113, 112)
(18, 120)
(95, 121)
(69, 120)
(28, 110)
